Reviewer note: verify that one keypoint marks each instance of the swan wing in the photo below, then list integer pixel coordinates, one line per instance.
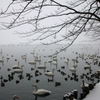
(49, 74)
(42, 92)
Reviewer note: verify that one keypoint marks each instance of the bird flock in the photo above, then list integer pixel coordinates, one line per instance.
(59, 64)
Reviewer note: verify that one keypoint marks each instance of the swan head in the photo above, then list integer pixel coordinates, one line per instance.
(15, 96)
(34, 85)
(22, 66)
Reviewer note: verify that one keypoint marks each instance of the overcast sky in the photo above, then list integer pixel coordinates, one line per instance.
(7, 36)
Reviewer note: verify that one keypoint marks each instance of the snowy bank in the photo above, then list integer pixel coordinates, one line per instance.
(94, 94)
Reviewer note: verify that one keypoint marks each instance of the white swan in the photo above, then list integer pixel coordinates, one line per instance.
(72, 69)
(39, 59)
(50, 73)
(24, 56)
(55, 58)
(2, 60)
(19, 70)
(15, 96)
(50, 60)
(16, 66)
(33, 52)
(41, 92)
(67, 61)
(74, 65)
(1, 51)
(7, 57)
(88, 66)
(54, 62)
(32, 62)
(42, 66)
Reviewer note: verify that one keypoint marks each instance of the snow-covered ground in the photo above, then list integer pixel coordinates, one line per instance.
(94, 94)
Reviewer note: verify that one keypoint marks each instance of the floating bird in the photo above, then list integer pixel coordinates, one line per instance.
(72, 69)
(50, 73)
(16, 66)
(2, 60)
(50, 60)
(32, 62)
(15, 96)
(19, 70)
(39, 59)
(7, 57)
(41, 92)
(42, 66)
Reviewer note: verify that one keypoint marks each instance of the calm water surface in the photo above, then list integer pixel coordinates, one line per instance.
(24, 88)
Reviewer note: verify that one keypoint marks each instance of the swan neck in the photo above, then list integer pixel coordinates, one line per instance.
(36, 88)
(53, 71)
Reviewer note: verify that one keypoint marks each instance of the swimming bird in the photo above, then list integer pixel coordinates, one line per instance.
(72, 69)
(7, 57)
(41, 92)
(32, 62)
(15, 96)
(50, 73)
(50, 60)
(16, 66)
(24, 56)
(2, 60)
(39, 59)
(42, 66)
(19, 70)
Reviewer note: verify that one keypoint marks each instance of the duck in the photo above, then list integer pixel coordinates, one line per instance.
(41, 92)
(16, 66)
(19, 70)
(15, 96)
(42, 66)
(50, 73)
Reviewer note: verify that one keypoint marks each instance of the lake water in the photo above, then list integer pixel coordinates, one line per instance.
(24, 88)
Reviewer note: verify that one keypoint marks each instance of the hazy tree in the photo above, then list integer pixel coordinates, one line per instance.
(53, 20)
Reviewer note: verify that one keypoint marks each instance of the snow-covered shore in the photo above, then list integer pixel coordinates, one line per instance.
(94, 94)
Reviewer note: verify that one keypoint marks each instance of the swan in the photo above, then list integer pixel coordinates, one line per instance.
(41, 92)
(16, 66)
(50, 73)
(2, 60)
(15, 96)
(54, 62)
(33, 52)
(24, 56)
(88, 66)
(50, 60)
(72, 69)
(74, 65)
(36, 56)
(42, 66)
(67, 61)
(7, 57)
(39, 59)
(1, 51)
(32, 62)
(55, 58)
(19, 70)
